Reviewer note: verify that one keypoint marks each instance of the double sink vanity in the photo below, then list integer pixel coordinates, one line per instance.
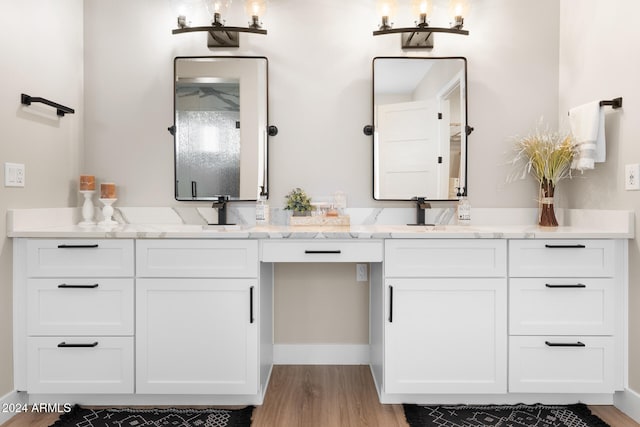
(180, 313)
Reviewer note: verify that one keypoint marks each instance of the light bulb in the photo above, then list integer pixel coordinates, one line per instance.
(422, 9)
(216, 9)
(386, 9)
(458, 9)
(185, 10)
(255, 9)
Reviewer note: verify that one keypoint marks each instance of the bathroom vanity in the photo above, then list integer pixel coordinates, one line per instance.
(183, 313)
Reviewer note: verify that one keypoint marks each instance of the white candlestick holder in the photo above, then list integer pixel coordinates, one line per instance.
(107, 212)
(87, 209)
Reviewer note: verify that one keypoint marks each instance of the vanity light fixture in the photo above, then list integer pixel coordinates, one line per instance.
(221, 35)
(421, 36)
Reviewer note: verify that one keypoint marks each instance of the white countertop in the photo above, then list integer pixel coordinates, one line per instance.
(62, 223)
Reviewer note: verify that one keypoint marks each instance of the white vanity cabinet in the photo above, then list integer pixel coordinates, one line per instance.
(465, 316)
(445, 321)
(563, 317)
(75, 300)
(197, 317)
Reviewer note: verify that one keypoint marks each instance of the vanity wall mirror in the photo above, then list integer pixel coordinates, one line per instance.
(420, 128)
(221, 128)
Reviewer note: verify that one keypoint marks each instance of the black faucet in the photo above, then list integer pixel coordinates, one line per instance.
(221, 205)
(421, 205)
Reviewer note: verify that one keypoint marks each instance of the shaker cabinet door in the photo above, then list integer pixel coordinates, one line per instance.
(196, 336)
(446, 336)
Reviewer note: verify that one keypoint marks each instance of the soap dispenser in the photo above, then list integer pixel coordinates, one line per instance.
(262, 209)
(464, 208)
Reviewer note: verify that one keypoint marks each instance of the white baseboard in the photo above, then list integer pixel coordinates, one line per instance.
(321, 354)
(9, 402)
(628, 401)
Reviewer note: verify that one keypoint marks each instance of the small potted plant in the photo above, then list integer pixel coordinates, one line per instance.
(298, 202)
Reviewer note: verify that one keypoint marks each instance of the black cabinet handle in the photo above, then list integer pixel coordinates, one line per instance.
(564, 344)
(390, 304)
(251, 319)
(565, 246)
(309, 251)
(65, 286)
(65, 345)
(77, 246)
(577, 285)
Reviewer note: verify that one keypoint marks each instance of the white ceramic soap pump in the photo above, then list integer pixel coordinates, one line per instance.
(464, 208)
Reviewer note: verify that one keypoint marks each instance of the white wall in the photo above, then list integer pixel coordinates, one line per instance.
(597, 62)
(41, 49)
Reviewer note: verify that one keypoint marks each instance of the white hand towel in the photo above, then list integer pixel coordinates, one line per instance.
(587, 127)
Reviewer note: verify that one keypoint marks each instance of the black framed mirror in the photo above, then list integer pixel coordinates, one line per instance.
(419, 128)
(221, 128)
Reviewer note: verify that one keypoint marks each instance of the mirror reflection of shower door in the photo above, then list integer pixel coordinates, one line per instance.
(214, 140)
(408, 149)
(208, 137)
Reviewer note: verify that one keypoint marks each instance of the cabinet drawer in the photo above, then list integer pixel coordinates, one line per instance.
(561, 258)
(80, 306)
(322, 251)
(79, 258)
(571, 364)
(94, 365)
(561, 306)
(197, 258)
(445, 258)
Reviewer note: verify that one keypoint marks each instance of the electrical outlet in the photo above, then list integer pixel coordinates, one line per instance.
(14, 175)
(632, 177)
(361, 273)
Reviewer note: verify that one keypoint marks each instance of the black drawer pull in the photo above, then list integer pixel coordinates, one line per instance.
(577, 285)
(309, 251)
(65, 345)
(565, 246)
(65, 286)
(251, 319)
(390, 304)
(564, 344)
(77, 246)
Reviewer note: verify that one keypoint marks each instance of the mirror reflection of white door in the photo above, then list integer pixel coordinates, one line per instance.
(408, 149)
(444, 142)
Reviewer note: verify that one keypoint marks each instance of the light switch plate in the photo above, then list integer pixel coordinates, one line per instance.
(632, 177)
(14, 175)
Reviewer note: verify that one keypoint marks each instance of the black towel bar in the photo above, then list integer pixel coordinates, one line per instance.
(614, 103)
(61, 110)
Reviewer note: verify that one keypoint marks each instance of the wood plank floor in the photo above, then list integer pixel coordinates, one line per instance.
(324, 396)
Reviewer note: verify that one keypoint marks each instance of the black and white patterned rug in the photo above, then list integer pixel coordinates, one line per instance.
(577, 415)
(85, 417)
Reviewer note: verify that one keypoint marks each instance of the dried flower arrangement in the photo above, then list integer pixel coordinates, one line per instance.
(547, 155)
